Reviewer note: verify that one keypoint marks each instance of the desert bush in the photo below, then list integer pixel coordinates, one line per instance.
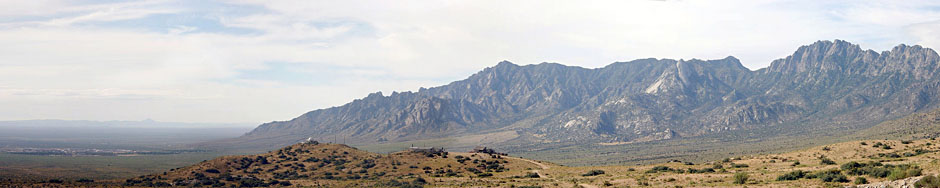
(832, 175)
(718, 166)
(739, 165)
(794, 175)
(740, 178)
(704, 170)
(904, 171)
(861, 180)
(660, 169)
(593, 173)
(928, 182)
(532, 175)
(826, 161)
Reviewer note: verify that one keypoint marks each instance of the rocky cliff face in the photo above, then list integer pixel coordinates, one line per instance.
(640, 100)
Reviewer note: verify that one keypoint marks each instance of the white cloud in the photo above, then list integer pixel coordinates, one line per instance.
(60, 59)
(181, 29)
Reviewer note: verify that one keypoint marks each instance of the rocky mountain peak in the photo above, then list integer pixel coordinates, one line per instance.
(503, 65)
(375, 95)
(819, 56)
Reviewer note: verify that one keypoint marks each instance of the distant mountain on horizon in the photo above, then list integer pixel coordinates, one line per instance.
(51, 133)
(123, 123)
(831, 85)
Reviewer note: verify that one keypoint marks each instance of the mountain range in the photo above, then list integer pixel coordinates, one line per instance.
(832, 85)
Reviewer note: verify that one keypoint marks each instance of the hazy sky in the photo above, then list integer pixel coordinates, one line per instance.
(260, 61)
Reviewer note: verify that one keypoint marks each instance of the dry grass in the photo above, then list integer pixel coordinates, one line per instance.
(762, 170)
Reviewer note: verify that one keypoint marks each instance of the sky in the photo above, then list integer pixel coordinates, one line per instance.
(262, 61)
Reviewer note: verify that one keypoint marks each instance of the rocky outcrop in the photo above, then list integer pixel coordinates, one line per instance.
(902, 183)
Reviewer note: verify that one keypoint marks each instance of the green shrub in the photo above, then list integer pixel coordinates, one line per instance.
(794, 175)
(833, 175)
(532, 175)
(421, 181)
(878, 170)
(861, 180)
(593, 173)
(904, 171)
(704, 170)
(826, 161)
(660, 169)
(928, 182)
(718, 166)
(740, 178)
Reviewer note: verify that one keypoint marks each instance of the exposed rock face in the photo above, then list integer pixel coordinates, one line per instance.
(902, 183)
(640, 100)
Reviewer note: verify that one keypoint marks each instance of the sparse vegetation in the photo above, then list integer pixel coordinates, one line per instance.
(878, 170)
(366, 169)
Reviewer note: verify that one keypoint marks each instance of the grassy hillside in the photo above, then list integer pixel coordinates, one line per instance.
(335, 165)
